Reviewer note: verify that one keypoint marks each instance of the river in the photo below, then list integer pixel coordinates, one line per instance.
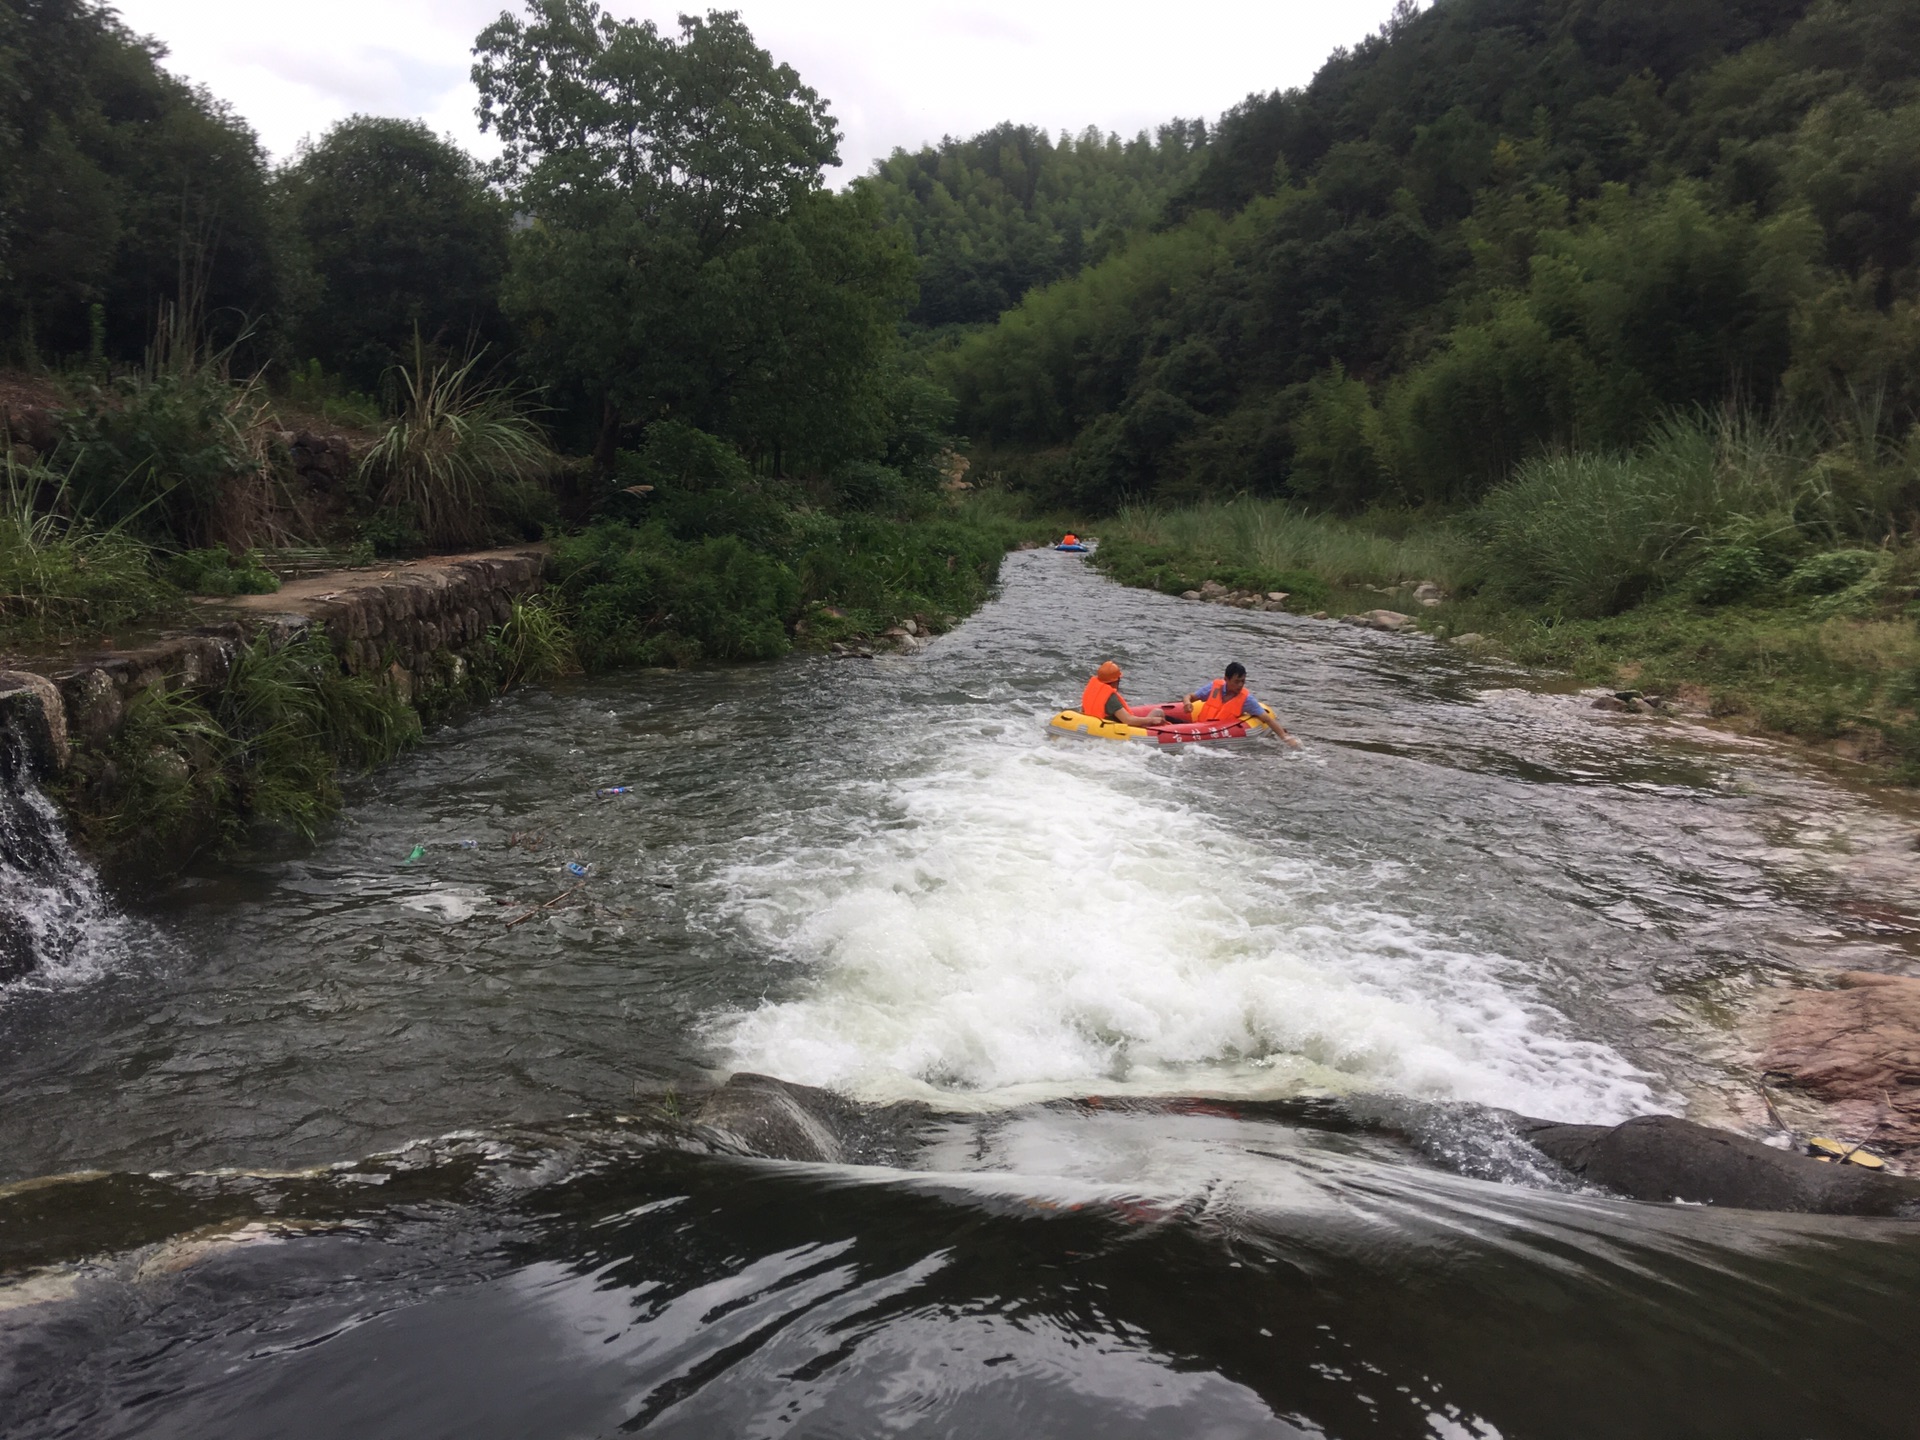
(1123, 977)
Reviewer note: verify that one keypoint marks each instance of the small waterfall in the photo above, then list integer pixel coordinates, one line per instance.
(54, 919)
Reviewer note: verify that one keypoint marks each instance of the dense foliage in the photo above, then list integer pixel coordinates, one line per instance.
(997, 214)
(1498, 227)
(396, 234)
(1629, 290)
(122, 189)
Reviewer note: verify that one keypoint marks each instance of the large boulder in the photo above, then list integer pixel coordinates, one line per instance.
(1665, 1158)
(31, 712)
(1857, 1049)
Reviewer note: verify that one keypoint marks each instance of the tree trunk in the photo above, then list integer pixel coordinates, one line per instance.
(609, 442)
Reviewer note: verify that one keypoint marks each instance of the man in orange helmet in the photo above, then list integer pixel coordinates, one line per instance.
(1102, 700)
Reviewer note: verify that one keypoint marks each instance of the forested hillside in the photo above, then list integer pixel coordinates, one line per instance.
(994, 215)
(114, 178)
(648, 331)
(1496, 227)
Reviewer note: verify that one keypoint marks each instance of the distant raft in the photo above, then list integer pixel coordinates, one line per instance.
(1201, 732)
(1076, 548)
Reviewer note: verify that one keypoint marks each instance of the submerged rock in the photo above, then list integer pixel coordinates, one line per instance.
(1858, 1049)
(1665, 1158)
(779, 1120)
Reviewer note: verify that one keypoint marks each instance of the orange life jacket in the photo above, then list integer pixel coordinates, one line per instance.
(1093, 700)
(1219, 707)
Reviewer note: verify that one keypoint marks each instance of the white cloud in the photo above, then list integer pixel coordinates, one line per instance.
(898, 73)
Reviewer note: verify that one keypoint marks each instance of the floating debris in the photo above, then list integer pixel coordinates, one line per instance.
(1820, 1147)
(414, 854)
(613, 790)
(574, 867)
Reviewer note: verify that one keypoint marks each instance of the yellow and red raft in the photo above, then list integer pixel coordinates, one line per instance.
(1196, 732)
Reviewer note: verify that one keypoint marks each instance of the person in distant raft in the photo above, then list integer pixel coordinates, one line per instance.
(1228, 699)
(1102, 700)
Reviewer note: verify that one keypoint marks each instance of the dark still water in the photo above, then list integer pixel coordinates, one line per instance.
(383, 1136)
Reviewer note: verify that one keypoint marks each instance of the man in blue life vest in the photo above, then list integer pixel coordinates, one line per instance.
(1227, 700)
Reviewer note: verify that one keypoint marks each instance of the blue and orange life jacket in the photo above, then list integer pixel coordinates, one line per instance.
(1220, 707)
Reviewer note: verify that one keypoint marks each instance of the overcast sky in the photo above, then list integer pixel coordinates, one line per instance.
(897, 72)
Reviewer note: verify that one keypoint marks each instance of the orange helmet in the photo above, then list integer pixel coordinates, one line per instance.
(1109, 672)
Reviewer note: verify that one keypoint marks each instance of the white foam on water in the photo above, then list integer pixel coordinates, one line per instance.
(1038, 920)
(451, 905)
(59, 922)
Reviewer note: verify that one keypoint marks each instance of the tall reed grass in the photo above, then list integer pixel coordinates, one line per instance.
(455, 441)
(62, 576)
(1278, 539)
(1723, 503)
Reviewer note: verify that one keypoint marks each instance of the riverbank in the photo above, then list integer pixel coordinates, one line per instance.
(1835, 667)
(196, 736)
(200, 736)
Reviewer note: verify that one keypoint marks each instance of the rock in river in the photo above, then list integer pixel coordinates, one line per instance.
(1665, 1158)
(1388, 620)
(1858, 1049)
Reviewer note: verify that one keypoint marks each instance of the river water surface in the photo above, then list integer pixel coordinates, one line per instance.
(1126, 978)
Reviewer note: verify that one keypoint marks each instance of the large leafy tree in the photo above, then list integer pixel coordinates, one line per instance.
(120, 186)
(640, 160)
(400, 235)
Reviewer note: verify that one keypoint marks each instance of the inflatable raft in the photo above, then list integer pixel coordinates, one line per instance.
(1072, 722)
(1074, 549)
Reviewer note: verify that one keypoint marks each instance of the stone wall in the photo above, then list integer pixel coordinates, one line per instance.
(412, 622)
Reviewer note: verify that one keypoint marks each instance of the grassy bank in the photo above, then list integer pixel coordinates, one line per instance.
(1763, 576)
(1267, 545)
(684, 553)
(262, 755)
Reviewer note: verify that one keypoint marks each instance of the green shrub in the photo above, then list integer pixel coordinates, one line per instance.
(1727, 573)
(866, 487)
(698, 487)
(1270, 545)
(533, 644)
(392, 531)
(218, 571)
(311, 388)
(156, 453)
(639, 596)
(1832, 571)
(167, 789)
(61, 578)
(1173, 571)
